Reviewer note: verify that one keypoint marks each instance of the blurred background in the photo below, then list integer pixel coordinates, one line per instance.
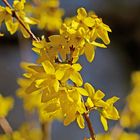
(110, 71)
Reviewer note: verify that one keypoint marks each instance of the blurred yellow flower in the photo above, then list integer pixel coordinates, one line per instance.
(6, 104)
(131, 116)
(49, 15)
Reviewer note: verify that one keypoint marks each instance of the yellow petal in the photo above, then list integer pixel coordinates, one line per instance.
(81, 13)
(99, 95)
(19, 5)
(48, 67)
(89, 103)
(56, 85)
(104, 122)
(52, 106)
(89, 52)
(55, 38)
(77, 67)
(112, 100)
(82, 91)
(71, 116)
(24, 32)
(98, 44)
(89, 21)
(103, 34)
(30, 20)
(76, 78)
(59, 73)
(31, 88)
(11, 27)
(100, 103)
(80, 121)
(89, 88)
(8, 10)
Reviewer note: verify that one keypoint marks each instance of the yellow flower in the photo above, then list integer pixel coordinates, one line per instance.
(66, 72)
(6, 104)
(123, 136)
(50, 15)
(105, 108)
(94, 98)
(130, 117)
(82, 32)
(6, 15)
(18, 8)
(109, 112)
(25, 132)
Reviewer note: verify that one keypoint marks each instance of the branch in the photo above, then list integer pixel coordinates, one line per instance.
(89, 124)
(46, 130)
(5, 125)
(20, 21)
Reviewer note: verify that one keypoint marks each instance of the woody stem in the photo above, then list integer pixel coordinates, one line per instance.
(5, 125)
(89, 124)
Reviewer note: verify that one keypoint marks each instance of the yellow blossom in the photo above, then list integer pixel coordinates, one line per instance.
(49, 15)
(105, 108)
(131, 116)
(123, 136)
(25, 132)
(8, 16)
(109, 112)
(83, 30)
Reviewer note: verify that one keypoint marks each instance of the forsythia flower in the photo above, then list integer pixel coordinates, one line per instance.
(7, 15)
(56, 81)
(106, 108)
(49, 15)
(45, 81)
(131, 115)
(83, 30)
(123, 136)
(109, 112)
(77, 37)
(25, 132)
(6, 104)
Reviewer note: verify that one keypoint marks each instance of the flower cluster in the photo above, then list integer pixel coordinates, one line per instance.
(49, 15)
(123, 136)
(77, 36)
(10, 14)
(25, 132)
(131, 116)
(56, 80)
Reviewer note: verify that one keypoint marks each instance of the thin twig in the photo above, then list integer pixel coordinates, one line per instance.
(89, 124)
(5, 125)
(20, 21)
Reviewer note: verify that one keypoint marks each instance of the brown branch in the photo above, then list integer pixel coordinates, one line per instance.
(89, 124)
(5, 125)
(46, 130)
(20, 21)
(6, 3)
